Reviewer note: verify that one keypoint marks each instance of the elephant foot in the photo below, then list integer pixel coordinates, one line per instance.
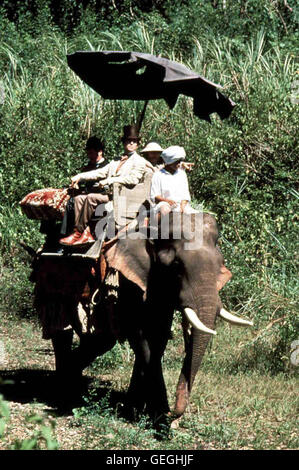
(162, 427)
(131, 413)
(134, 407)
(69, 390)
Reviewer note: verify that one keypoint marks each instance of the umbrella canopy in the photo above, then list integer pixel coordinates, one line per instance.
(137, 76)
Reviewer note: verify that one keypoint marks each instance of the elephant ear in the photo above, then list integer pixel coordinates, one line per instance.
(224, 275)
(132, 259)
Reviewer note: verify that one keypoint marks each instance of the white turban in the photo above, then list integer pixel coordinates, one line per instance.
(173, 154)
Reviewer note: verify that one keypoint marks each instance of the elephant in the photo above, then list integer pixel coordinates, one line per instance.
(183, 271)
(158, 275)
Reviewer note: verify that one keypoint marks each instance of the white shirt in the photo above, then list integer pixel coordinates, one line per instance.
(170, 186)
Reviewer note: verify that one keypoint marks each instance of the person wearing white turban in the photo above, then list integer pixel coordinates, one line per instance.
(169, 188)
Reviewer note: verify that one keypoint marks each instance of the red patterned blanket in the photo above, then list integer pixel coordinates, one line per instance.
(45, 204)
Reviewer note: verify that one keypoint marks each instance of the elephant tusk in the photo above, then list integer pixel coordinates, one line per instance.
(233, 319)
(195, 321)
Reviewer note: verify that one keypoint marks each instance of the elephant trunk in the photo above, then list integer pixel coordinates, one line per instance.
(196, 344)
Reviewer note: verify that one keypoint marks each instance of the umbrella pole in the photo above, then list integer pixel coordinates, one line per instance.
(141, 116)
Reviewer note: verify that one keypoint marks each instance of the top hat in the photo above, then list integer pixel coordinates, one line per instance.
(130, 132)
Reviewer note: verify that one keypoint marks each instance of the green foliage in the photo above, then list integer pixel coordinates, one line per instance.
(4, 415)
(105, 429)
(94, 406)
(245, 167)
(41, 437)
(116, 358)
(16, 296)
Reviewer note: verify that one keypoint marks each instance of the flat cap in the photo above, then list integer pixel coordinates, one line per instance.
(173, 154)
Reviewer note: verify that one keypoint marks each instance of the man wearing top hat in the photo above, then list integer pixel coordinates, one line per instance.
(128, 170)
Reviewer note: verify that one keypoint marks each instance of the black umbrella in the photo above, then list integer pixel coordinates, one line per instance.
(138, 76)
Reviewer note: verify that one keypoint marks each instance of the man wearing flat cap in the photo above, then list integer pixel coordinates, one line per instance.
(95, 154)
(128, 170)
(170, 189)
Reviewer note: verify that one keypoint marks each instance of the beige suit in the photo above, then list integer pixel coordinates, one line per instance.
(129, 173)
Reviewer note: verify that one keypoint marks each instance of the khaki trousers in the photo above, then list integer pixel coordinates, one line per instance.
(85, 206)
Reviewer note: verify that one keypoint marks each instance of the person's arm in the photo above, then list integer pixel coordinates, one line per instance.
(93, 175)
(156, 188)
(164, 199)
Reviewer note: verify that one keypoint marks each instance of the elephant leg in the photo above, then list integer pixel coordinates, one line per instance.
(136, 395)
(147, 388)
(141, 396)
(67, 386)
(155, 389)
(91, 346)
(62, 345)
(135, 399)
(156, 395)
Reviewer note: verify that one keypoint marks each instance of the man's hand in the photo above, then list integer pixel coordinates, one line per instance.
(171, 202)
(74, 182)
(183, 205)
(163, 199)
(188, 166)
